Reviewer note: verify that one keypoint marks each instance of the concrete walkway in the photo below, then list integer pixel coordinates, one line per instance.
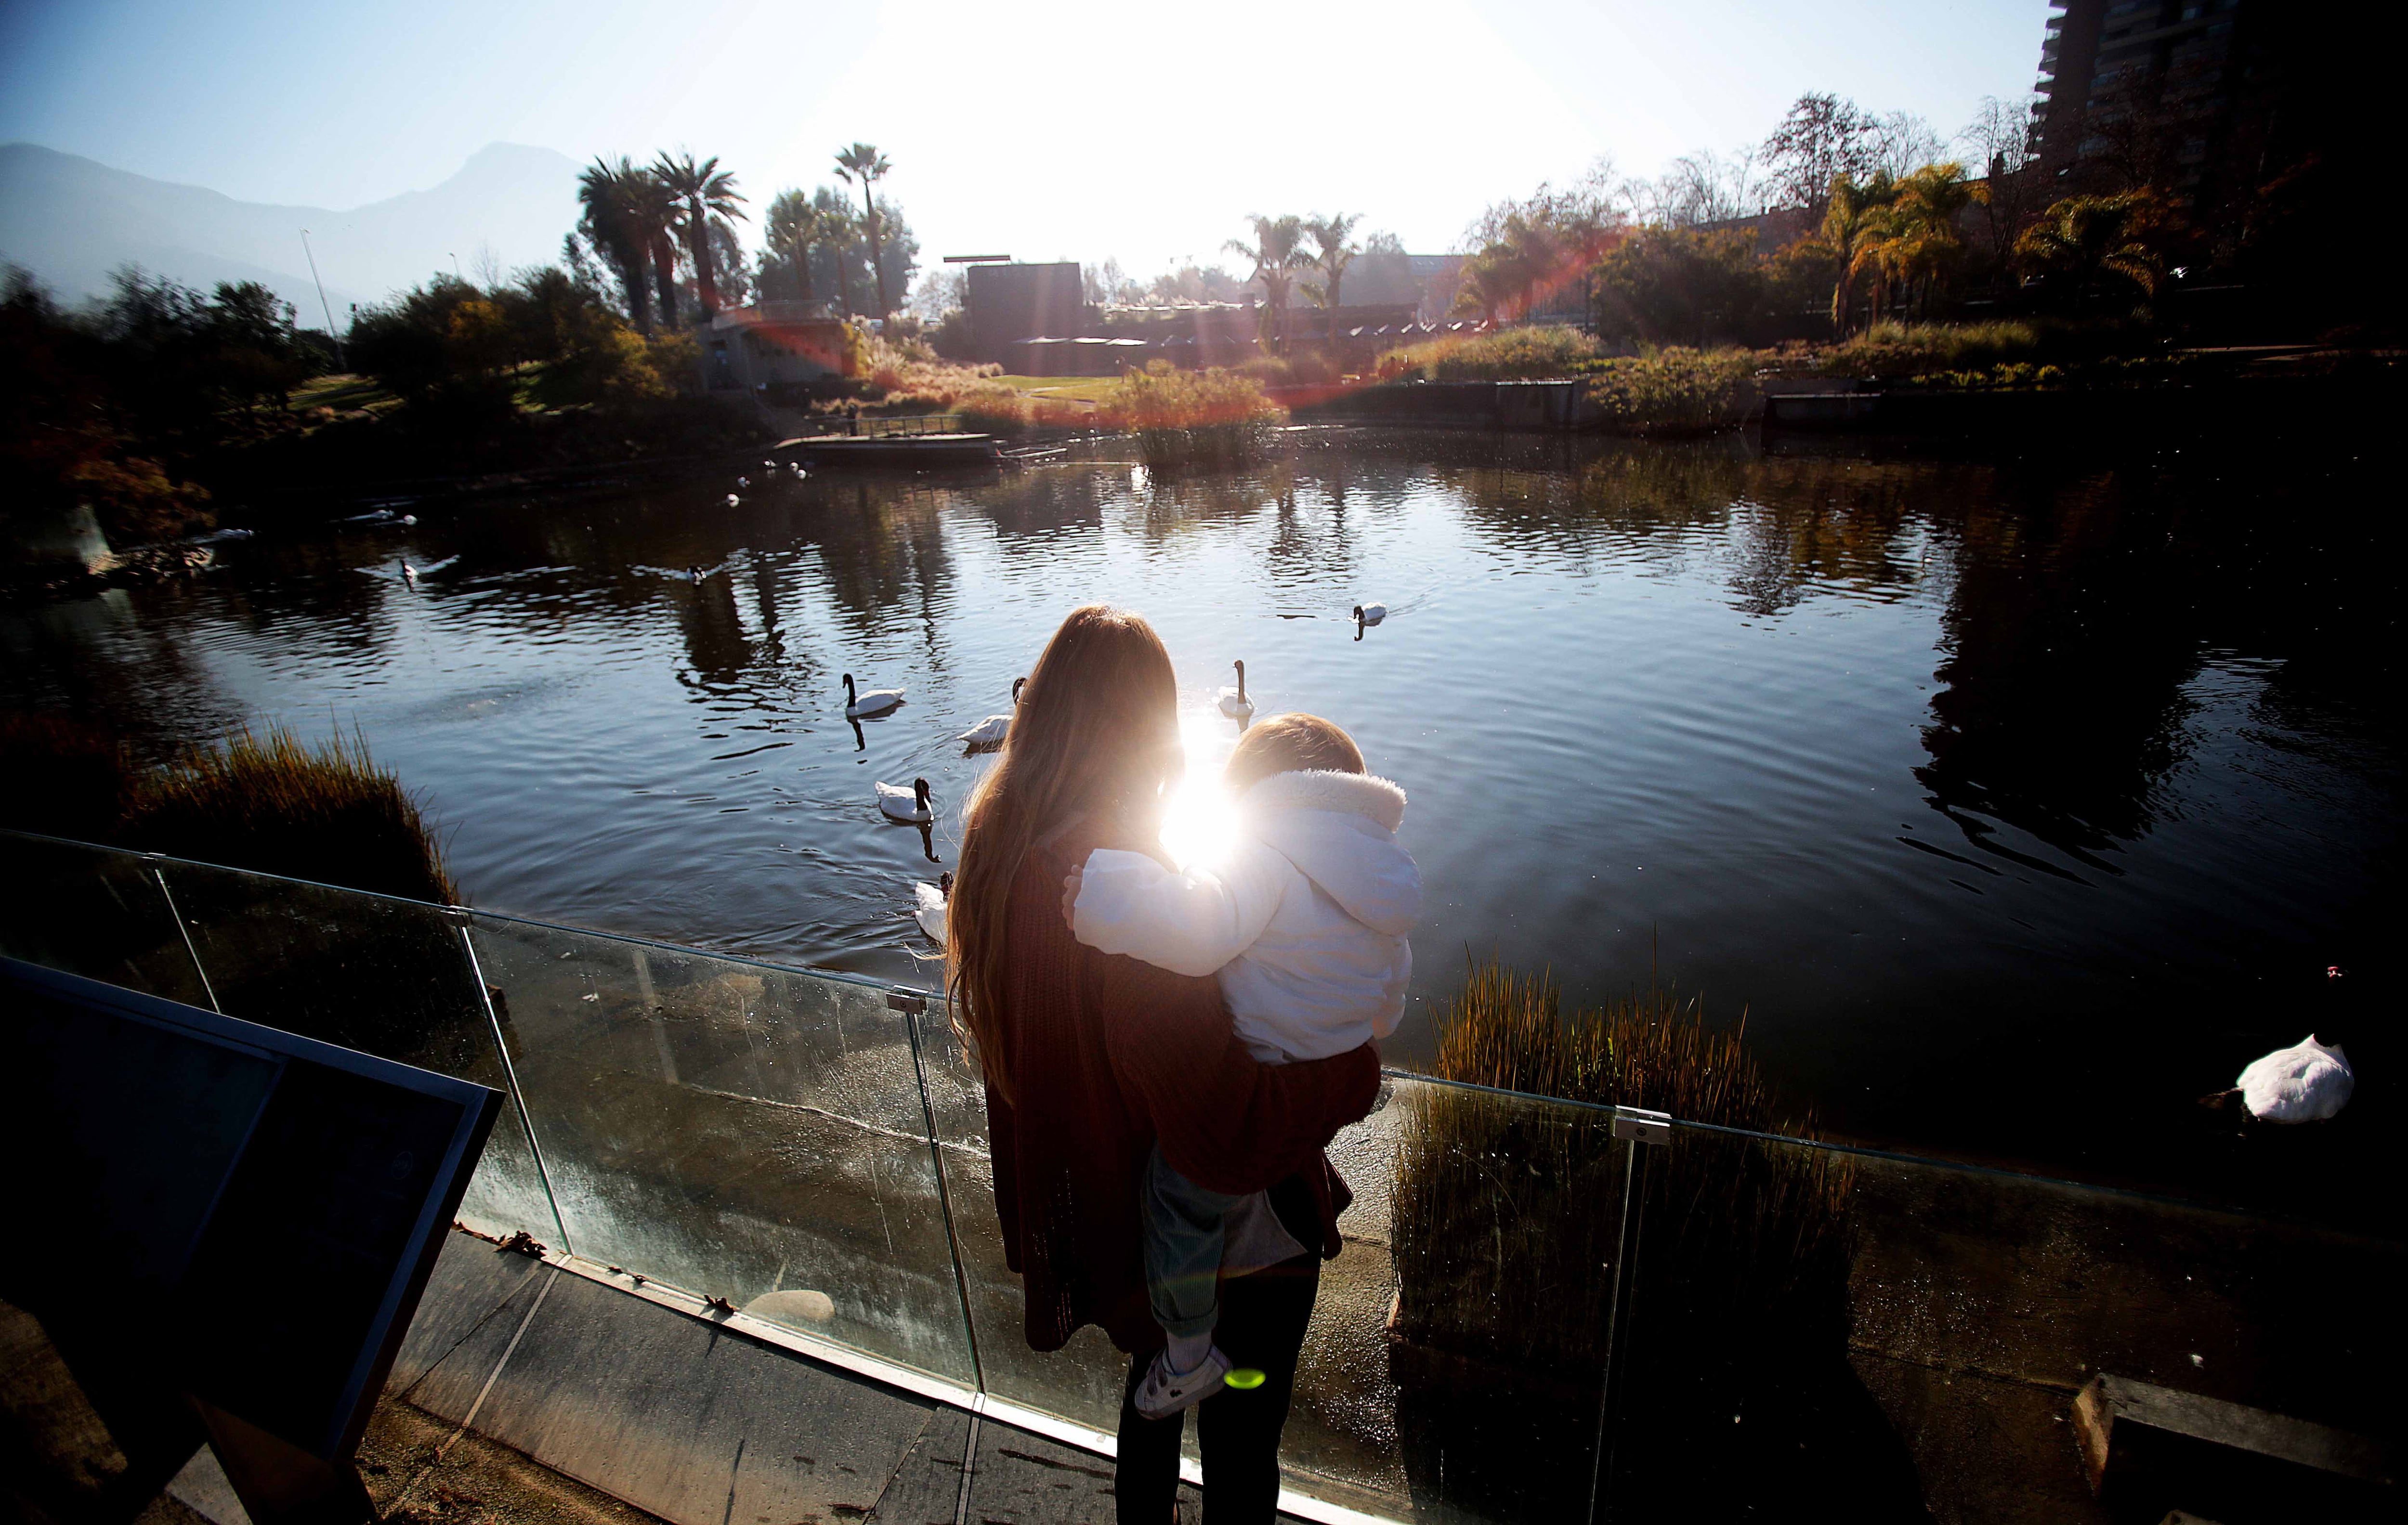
(528, 1393)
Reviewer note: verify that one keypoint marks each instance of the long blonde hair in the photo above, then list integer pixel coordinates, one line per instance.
(1097, 730)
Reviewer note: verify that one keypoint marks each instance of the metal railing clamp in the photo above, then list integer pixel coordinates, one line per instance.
(909, 1002)
(1640, 1126)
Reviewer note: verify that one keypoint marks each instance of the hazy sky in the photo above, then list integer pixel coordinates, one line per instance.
(1041, 130)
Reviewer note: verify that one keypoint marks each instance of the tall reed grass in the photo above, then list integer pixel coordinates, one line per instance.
(1193, 419)
(269, 804)
(1505, 1215)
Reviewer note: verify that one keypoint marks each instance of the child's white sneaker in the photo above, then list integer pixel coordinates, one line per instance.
(1165, 1392)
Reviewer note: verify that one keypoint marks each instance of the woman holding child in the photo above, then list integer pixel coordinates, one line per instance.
(1158, 1171)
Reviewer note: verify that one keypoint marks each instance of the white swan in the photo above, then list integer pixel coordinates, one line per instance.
(874, 701)
(1234, 702)
(990, 731)
(930, 905)
(906, 804)
(2305, 1083)
(1369, 614)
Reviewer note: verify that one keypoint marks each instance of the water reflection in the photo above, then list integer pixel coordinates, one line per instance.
(1921, 762)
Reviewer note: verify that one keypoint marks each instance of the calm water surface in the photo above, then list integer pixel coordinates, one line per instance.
(2015, 806)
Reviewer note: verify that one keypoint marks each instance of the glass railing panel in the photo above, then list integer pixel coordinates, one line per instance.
(1913, 1336)
(735, 1130)
(390, 977)
(1453, 1367)
(95, 912)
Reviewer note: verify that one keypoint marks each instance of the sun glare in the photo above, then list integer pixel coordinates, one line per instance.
(1200, 821)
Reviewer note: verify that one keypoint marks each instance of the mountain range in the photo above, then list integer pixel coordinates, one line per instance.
(72, 221)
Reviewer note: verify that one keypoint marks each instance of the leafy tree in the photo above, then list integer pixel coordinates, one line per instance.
(1822, 138)
(2098, 251)
(1383, 272)
(1680, 285)
(862, 165)
(1279, 257)
(1333, 255)
(703, 194)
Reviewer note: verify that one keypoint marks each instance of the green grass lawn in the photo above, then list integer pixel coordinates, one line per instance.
(1088, 388)
(342, 394)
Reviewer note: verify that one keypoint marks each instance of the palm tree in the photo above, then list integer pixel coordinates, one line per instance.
(1329, 234)
(610, 196)
(1854, 229)
(2098, 245)
(703, 192)
(1920, 241)
(794, 226)
(651, 216)
(1278, 256)
(862, 164)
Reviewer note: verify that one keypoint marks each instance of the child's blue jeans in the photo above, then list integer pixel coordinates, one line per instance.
(1185, 1235)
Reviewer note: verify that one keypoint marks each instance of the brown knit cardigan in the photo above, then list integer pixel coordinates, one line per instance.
(1104, 1056)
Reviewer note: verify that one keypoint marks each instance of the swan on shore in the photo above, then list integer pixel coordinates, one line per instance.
(871, 702)
(991, 730)
(1234, 702)
(2308, 1082)
(909, 805)
(929, 904)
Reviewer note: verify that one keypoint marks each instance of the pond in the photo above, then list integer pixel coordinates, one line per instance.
(2016, 803)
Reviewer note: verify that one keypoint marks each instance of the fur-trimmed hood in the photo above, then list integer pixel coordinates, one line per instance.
(1339, 829)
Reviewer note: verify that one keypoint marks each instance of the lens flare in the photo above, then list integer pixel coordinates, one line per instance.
(1198, 819)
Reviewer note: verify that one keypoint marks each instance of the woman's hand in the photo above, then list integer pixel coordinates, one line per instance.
(1070, 882)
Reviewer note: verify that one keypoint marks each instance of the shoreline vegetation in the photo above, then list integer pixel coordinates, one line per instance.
(261, 800)
(1504, 1228)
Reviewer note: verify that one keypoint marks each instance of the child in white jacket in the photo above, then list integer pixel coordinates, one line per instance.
(1304, 923)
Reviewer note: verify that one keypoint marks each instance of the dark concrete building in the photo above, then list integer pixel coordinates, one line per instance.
(1009, 304)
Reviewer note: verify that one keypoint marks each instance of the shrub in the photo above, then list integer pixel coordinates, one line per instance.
(1895, 349)
(1515, 354)
(1674, 392)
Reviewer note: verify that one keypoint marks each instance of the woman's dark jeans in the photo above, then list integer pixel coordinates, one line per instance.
(1262, 1320)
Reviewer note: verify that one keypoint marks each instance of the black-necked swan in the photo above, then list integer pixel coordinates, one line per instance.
(990, 731)
(732, 500)
(928, 905)
(2307, 1082)
(744, 481)
(1234, 702)
(1369, 614)
(906, 804)
(874, 701)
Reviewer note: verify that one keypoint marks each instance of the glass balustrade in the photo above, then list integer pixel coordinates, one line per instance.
(739, 1131)
(1910, 1335)
(1782, 1319)
(94, 912)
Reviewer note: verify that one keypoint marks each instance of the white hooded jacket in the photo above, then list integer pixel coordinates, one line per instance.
(1305, 923)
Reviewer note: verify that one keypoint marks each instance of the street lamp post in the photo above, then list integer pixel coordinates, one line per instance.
(323, 305)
